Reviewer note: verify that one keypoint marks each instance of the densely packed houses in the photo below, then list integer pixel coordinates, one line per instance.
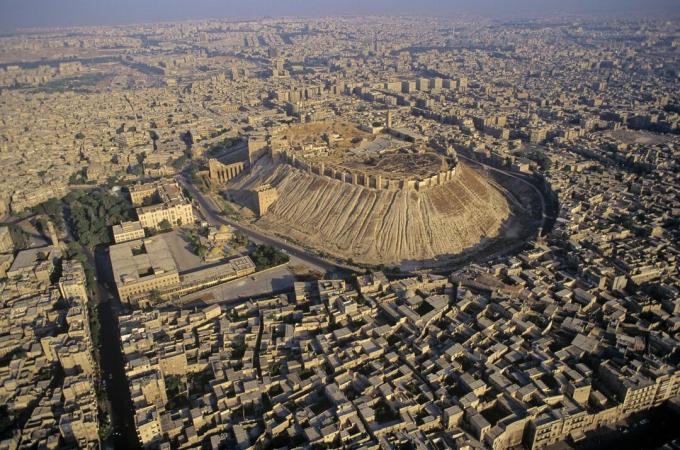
(574, 331)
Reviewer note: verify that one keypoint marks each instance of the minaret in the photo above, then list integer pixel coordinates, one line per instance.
(388, 121)
(52, 233)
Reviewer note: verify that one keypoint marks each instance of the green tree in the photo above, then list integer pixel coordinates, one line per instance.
(91, 213)
(105, 430)
(266, 256)
(165, 225)
(52, 208)
(76, 178)
(155, 296)
(240, 239)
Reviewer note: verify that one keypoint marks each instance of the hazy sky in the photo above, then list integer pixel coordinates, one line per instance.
(45, 13)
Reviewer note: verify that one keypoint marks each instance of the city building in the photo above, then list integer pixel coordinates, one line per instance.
(127, 231)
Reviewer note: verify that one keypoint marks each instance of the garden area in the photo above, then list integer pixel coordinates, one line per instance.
(91, 214)
(266, 256)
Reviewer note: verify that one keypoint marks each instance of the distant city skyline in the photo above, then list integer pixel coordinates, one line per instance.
(17, 14)
(339, 224)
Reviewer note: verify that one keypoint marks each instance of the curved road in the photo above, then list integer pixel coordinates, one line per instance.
(297, 254)
(541, 196)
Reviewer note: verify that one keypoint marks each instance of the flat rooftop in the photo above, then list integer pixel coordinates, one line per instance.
(143, 258)
(27, 259)
(126, 227)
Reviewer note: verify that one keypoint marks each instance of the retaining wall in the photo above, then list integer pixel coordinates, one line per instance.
(365, 179)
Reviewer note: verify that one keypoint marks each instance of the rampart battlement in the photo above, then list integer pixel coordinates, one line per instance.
(364, 178)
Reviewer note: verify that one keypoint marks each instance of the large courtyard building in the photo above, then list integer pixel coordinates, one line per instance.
(176, 213)
(161, 202)
(142, 266)
(145, 271)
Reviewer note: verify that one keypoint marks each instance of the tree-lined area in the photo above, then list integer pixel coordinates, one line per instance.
(266, 256)
(52, 209)
(91, 214)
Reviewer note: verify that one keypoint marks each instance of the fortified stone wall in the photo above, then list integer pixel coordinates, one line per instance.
(221, 173)
(365, 179)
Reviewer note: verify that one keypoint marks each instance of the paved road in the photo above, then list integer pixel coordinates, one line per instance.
(541, 196)
(112, 362)
(211, 212)
(297, 255)
(110, 355)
